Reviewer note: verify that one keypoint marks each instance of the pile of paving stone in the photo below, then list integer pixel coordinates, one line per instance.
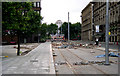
(55, 44)
(92, 62)
(74, 45)
(59, 45)
(54, 54)
(60, 63)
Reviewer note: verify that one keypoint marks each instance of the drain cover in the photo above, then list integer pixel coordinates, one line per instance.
(33, 60)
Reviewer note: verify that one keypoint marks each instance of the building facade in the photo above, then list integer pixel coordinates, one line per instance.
(99, 13)
(37, 8)
(87, 28)
(115, 21)
(94, 15)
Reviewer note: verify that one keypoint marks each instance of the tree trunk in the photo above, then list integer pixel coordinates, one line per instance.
(18, 51)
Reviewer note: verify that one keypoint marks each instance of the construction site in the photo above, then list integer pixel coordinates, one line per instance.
(83, 58)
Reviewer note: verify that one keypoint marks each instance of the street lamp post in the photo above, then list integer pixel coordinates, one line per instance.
(61, 26)
(68, 32)
(107, 35)
(68, 28)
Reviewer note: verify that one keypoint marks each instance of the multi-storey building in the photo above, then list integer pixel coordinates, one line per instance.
(114, 21)
(87, 28)
(99, 10)
(99, 13)
(36, 8)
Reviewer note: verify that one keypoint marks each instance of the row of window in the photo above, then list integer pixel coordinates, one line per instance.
(38, 12)
(113, 38)
(36, 4)
(24, 12)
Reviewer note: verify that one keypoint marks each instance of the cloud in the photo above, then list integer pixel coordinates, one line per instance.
(53, 10)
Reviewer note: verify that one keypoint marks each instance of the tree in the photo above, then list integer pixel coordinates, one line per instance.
(52, 29)
(65, 29)
(75, 30)
(14, 20)
(43, 32)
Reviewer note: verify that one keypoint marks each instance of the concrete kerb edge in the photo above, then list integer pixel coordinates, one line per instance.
(52, 67)
(32, 50)
(103, 49)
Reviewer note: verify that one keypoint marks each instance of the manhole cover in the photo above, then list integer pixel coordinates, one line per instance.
(33, 60)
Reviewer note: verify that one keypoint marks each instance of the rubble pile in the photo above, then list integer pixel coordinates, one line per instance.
(60, 63)
(59, 45)
(92, 62)
(74, 45)
(54, 54)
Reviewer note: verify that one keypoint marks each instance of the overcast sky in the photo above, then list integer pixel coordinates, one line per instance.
(53, 10)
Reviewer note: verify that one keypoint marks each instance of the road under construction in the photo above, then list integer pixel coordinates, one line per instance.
(78, 58)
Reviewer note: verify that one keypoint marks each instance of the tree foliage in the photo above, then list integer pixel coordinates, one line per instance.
(13, 18)
(52, 29)
(47, 29)
(43, 32)
(75, 30)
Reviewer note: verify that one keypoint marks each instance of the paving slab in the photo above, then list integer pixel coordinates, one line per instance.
(84, 54)
(38, 61)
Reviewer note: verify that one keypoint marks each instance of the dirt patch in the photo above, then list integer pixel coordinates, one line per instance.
(29, 49)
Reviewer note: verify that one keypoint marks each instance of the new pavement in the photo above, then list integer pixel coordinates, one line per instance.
(38, 61)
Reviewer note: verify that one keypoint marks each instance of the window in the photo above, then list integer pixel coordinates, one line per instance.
(116, 11)
(38, 12)
(115, 38)
(112, 38)
(34, 4)
(38, 4)
(23, 13)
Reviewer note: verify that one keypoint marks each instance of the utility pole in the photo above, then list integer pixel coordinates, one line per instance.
(107, 35)
(68, 28)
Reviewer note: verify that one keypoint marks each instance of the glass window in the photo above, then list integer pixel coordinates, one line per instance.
(38, 4)
(115, 38)
(38, 12)
(34, 4)
(23, 13)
